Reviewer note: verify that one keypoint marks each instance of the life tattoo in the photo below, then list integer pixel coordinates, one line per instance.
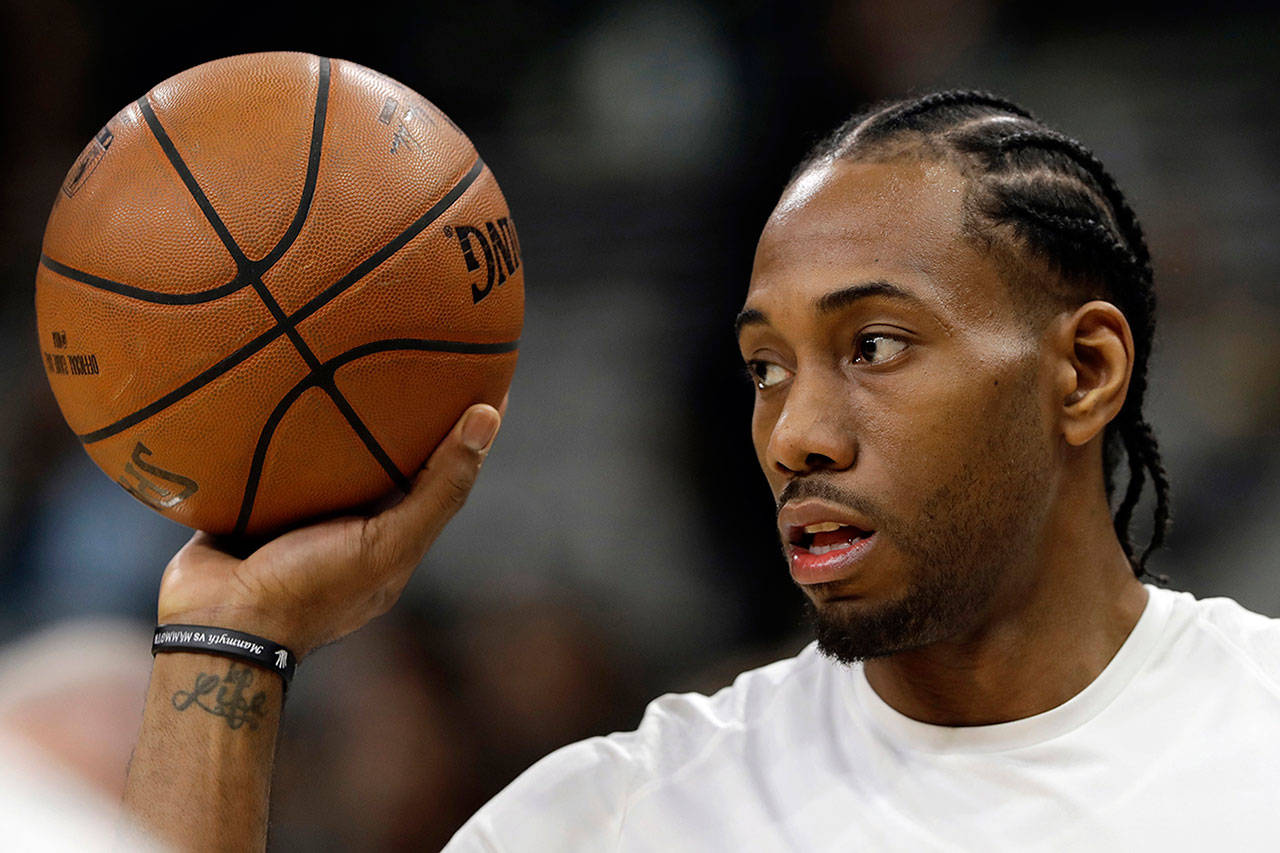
(230, 701)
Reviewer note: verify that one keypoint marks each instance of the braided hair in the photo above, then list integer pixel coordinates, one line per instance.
(1034, 193)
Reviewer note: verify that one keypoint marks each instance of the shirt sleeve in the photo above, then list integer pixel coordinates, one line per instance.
(575, 799)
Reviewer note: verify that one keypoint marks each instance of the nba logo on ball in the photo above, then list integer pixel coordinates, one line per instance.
(87, 161)
(279, 325)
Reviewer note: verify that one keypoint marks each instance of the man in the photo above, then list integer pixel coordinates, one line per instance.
(948, 324)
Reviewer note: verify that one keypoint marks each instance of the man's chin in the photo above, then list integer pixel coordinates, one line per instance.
(851, 631)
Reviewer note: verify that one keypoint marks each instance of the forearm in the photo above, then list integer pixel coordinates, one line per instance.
(201, 774)
(200, 777)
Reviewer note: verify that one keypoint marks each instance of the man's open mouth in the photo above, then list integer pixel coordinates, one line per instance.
(826, 536)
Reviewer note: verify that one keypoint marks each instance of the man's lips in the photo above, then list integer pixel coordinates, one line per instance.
(823, 541)
(799, 520)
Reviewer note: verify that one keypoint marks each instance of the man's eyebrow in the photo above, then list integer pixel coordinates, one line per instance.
(748, 317)
(846, 296)
(833, 301)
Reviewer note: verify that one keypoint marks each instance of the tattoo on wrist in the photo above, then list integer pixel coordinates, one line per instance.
(226, 697)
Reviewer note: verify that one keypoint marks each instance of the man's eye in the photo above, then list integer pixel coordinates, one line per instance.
(877, 348)
(766, 374)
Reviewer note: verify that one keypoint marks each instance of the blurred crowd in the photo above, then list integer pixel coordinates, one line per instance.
(620, 543)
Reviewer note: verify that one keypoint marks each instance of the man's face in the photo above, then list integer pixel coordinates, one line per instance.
(901, 416)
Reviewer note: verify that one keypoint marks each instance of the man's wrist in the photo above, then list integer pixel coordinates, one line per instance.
(248, 620)
(235, 695)
(226, 642)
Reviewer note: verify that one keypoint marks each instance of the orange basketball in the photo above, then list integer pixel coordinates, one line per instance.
(270, 286)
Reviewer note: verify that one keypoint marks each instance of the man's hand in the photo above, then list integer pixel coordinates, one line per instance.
(316, 584)
(200, 775)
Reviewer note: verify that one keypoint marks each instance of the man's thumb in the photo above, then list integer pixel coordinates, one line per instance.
(441, 488)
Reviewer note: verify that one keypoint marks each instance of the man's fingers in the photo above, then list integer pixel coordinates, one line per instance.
(441, 488)
(478, 427)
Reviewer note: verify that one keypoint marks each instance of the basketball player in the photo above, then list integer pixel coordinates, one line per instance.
(948, 323)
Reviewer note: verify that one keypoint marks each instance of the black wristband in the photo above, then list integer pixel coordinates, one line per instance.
(224, 641)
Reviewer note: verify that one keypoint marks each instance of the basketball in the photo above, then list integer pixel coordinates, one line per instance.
(270, 286)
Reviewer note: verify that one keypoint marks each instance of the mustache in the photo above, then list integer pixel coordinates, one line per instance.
(823, 489)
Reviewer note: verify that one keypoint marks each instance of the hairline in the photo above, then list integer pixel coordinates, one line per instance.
(1023, 273)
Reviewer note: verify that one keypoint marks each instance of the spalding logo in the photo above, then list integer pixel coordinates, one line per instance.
(149, 491)
(498, 246)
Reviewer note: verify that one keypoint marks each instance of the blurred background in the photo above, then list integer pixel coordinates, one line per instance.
(620, 543)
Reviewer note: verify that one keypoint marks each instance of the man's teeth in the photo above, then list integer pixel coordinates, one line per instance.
(826, 549)
(822, 527)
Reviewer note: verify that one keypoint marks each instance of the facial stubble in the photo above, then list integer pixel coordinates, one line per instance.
(957, 550)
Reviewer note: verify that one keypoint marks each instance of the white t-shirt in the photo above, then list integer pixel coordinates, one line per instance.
(1174, 746)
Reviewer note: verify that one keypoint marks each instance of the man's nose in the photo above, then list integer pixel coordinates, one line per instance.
(814, 431)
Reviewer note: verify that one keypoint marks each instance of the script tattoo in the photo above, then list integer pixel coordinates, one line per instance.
(229, 701)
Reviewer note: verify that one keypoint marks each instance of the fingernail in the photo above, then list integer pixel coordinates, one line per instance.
(479, 429)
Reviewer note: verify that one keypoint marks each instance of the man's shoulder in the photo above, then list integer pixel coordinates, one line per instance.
(578, 795)
(1251, 639)
(679, 728)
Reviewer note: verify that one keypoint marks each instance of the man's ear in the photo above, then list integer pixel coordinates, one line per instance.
(1094, 352)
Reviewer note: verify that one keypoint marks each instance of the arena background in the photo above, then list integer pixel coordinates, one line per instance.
(620, 542)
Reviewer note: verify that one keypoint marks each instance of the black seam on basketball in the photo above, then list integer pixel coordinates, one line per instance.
(139, 293)
(287, 325)
(384, 459)
(260, 451)
(313, 169)
(329, 368)
(396, 244)
(358, 272)
(194, 384)
(422, 345)
(325, 381)
(295, 227)
(193, 187)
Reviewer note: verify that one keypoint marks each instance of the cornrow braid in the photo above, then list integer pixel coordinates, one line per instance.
(888, 115)
(1128, 221)
(899, 116)
(1094, 236)
(1038, 193)
(1146, 446)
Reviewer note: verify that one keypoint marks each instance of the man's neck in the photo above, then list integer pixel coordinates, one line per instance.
(1050, 640)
